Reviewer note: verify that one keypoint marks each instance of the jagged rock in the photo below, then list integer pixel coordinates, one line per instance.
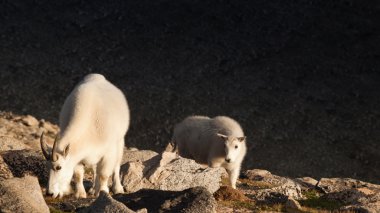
(307, 182)
(330, 185)
(26, 162)
(105, 203)
(48, 127)
(22, 136)
(278, 189)
(29, 120)
(193, 200)
(292, 205)
(22, 195)
(5, 172)
(168, 172)
(257, 174)
(356, 195)
(10, 143)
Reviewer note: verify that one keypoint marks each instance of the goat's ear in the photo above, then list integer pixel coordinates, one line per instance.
(241, 139)
(224, 137)
(66, 150)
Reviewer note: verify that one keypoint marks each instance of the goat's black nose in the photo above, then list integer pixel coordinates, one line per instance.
(228, 160)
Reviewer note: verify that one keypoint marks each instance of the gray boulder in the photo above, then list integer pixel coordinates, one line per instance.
(22, 195)
(168, 172)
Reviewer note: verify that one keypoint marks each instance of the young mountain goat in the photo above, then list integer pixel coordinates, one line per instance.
(93, 122)
(216, 142)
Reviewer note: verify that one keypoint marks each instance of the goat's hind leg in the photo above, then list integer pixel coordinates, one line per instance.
(91, 191)
(103, 171)
(116, 184)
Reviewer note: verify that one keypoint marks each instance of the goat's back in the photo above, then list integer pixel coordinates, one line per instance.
(95, 110)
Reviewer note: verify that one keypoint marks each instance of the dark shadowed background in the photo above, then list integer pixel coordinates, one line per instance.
(302, 77)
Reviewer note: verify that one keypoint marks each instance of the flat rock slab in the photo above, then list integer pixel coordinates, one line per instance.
(22, 195)
(193, 200)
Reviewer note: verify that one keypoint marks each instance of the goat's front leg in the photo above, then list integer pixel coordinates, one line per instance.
(78, 179)
(233, 176)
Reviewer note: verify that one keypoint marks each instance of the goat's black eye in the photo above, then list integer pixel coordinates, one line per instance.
(236, 147)
(58, 168)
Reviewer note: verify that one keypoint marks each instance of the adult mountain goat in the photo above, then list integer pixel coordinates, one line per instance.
(93, 122)
(216, 142)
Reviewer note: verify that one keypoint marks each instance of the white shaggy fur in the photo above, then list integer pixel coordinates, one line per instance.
(93, 121)
(216, 142)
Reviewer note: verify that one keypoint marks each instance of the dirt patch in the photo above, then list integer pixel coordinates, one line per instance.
(226, 193)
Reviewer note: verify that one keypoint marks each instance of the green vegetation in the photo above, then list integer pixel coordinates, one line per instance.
(313, 200)
(224, 181)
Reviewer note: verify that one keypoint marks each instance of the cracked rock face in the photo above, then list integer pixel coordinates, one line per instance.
(22, 195)
(168, 172)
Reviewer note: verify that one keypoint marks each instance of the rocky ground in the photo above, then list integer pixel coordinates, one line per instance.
(165, 183)
(302, 77)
